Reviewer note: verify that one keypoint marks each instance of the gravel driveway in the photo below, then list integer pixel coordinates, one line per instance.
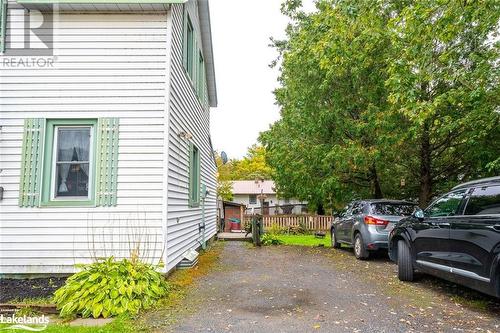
(299, 289)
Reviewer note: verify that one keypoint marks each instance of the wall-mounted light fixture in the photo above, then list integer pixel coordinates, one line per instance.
(185, 135)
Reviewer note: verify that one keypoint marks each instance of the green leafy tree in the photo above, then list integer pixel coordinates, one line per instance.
(325, 149)
(443, 81)
(380, 94)
(225, 190)
(252, 166)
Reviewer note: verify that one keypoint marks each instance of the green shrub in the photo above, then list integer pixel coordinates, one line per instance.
(270, 239)
(109, 287)
(275, 229)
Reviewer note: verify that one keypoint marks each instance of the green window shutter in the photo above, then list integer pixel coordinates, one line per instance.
(31, 162)
(3, 24)
(107, 161)
(194, 176)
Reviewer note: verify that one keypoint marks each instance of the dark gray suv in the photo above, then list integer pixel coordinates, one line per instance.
(365, 224)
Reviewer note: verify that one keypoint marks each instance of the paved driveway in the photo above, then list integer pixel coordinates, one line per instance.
(298, 289)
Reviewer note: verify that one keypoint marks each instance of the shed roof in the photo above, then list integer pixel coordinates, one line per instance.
(253, 187)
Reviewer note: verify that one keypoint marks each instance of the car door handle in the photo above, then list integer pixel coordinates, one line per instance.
(440, 224)
(496, 227)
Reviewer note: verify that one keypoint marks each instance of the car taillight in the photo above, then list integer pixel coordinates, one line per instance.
(375, 221)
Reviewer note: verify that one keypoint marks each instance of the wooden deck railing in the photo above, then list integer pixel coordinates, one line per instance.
(310, 222)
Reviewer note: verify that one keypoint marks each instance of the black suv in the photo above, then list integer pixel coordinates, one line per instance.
(456, 238)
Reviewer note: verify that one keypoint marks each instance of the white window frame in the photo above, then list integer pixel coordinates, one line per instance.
(53, 165)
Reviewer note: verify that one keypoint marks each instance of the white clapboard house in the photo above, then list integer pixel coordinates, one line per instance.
(105, 136)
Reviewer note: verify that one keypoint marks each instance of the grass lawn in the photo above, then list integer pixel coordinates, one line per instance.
(304, 240)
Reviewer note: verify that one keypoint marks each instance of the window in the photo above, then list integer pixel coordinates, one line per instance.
(3, 24)
(193, 60)
(69, 163)
(194, 176)
(446, 205)
(189, 48)
(72, 147)
(201, 78)
(395, 209)
(252, 199)
(484, 201)
(357, 208)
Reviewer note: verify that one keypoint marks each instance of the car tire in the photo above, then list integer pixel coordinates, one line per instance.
(405, 263)
(360, 251)
(335, 243)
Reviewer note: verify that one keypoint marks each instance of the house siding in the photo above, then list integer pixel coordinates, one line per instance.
(188, 115)
(107, 66)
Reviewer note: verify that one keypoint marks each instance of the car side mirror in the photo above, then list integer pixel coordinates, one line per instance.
(418, 213)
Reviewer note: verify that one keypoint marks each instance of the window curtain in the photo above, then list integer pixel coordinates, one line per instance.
(74, 147)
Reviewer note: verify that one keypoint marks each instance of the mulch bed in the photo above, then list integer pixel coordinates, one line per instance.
(18, 289)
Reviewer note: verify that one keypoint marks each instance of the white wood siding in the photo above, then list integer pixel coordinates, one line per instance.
(187, 114)
(108, 65)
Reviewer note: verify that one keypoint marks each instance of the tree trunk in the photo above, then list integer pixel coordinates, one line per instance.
(425, 168)
(320, 210)
(377, 191)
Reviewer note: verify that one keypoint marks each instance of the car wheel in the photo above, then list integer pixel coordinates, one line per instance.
(359, 248)
(405, 264)
(335, 244)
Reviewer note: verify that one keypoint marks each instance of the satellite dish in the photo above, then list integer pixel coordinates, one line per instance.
(223, 157)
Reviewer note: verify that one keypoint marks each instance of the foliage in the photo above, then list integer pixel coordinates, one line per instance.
(270, 239)
(109, 288)
(275, 229)
(445, 86)
(301, 229)
(225, 190)
(385, 98)
(252, 166)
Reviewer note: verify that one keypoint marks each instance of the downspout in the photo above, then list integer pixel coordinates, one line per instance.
(204, 194)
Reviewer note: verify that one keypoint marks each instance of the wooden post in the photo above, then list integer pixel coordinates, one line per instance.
(242, 213)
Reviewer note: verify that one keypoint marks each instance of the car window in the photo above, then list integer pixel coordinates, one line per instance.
(345, 211)
(446, 205)
(388, 208)
(357, 208)
(484, 201)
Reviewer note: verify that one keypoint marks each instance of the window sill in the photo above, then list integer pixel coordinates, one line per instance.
(194, 205)
(87, 203)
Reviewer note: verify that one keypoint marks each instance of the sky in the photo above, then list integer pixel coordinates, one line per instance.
(245, 82)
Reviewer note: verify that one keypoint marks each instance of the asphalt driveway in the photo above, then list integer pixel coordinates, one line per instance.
(300, 289)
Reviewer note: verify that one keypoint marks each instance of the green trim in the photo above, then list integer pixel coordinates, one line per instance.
(201, 78)
(107, 163)
(192, 58)
(190, 47)
(3, 24)
(194, 175)
(31, 163)
(48, 164)
(91, 2)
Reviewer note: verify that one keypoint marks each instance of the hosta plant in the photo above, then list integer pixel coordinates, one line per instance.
(109, 287)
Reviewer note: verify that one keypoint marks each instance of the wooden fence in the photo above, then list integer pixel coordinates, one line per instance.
(310, 222)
